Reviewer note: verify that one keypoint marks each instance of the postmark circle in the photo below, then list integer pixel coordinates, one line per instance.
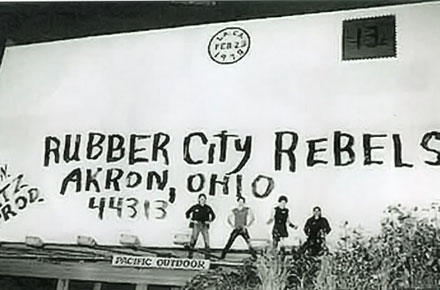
(229, 45)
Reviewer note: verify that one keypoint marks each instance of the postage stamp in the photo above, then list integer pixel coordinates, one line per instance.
(369, 38)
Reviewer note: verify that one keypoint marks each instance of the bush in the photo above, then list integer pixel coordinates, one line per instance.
(244, 278)
(405, 254)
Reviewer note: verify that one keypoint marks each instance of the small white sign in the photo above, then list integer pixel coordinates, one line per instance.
(163, 263)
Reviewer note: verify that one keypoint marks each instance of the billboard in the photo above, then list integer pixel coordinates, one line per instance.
(119, 134)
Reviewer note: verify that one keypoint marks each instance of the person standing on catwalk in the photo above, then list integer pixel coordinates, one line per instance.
(316, 229)
(280, 218)
(240, 219)
(201, 216)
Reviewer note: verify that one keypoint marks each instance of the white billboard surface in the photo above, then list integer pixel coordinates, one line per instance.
(118, 134)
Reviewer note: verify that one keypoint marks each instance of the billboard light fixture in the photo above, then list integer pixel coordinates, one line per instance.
(86, 241)
(129, 240)
(34, 241)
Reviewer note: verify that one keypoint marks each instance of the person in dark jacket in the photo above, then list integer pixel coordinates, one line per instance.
(316, 229)
(201, 216)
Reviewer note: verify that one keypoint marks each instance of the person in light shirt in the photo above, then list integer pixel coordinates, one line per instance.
(240, 219)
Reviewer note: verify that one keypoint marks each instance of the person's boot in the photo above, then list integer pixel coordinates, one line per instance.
(190, 253)
(253, 254)
(282, 252)
(223, 255)
(207, 254)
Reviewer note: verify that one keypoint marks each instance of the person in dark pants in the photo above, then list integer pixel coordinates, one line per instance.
(316, 229)
(201, 216)
(240, 219)
(280, 218)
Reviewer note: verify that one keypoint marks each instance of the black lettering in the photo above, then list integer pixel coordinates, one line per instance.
(311, 161)
(3, 192)
(348, 148)
(224, 143)
(75, 177)
(133, 179)
(113, 180)
(269, 187)
(115, 144)
(398, 152)
(7, 211)
(132, 159)
(214, 182)
(161, 207)
(21, 202)
(131, 204)
(159, 145)
(147, 209)
(368, 148)
(190, 182)
(161, 181)
(19, 183)
(99, 206)
(91, 179)
(279, 150)
(172, 195)
(4, 172)
(34, 195)
(118, 206)
(425, 145)
(71, 156)
(91, 145)
(239, 185)
(51, 145)
(246, 148)
(186, 146)
(200, 265)
(211, 152)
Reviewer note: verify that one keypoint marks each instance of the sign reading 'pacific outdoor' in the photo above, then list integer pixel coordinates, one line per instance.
(163, 263)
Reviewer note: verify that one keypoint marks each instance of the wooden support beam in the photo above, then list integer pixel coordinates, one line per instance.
(97, 286)
(100, 271)
(141, 287)
(63, 284)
